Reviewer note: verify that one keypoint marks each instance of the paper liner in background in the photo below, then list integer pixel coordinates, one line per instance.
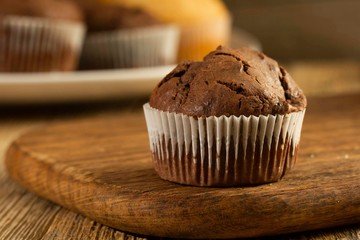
(223, 151)
(30, 44)
(197, 40)
(140, 47)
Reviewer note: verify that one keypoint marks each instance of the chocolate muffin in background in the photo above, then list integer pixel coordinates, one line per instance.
(40, 35)
(232, 119)
(54, 9)
(120, 37)
(110, 18)
(204, 24)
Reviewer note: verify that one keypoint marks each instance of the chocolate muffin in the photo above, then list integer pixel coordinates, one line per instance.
(101, 18)
(203, 24)
(233, 119)
(54, 9)
(229, 82)
(40, 35)
(121, 37)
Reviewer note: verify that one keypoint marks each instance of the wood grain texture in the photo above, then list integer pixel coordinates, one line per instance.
(24, 215)
(101, 168)
(326, 77)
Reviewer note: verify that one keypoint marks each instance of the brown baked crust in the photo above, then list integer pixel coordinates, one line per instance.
(107, 18)
(53, 9)
(229, 82)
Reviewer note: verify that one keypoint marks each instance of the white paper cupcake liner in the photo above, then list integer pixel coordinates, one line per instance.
(30, 44)
(223, 151)
(140, 47)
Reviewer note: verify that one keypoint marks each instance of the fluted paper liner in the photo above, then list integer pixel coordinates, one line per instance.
(31, 44)
(223, 151)
(127, 48)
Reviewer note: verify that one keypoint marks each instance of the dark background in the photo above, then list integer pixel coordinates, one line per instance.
(301, 29)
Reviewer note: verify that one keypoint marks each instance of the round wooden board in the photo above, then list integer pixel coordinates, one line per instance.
(101, 168)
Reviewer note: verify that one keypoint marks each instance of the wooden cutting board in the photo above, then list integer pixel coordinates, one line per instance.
(101, 168)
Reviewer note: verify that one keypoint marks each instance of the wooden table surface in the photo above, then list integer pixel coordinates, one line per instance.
(24, 215)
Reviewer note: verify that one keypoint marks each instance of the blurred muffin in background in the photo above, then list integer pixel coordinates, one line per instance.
(106, 18)
(40, 35)
(205, 24)
(122, 37)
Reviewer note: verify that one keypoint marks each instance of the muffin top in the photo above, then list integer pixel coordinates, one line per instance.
(229, 82)
(101, 17)
(55, 9)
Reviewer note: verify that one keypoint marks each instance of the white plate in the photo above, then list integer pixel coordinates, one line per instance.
(32, 88)
(79, 86)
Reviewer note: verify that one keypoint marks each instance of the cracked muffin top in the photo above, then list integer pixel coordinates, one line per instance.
(229, 82)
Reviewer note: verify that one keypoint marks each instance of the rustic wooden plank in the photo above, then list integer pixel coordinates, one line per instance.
(35, 217)
(23, 215)
(26, 216)
(320, 78)
(124, 192)
(349, 232)
(15, 121)
(69, 225)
